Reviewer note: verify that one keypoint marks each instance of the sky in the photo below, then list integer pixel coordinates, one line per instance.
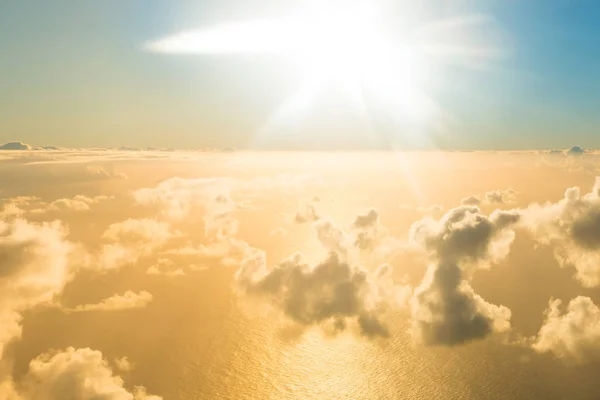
(138, 263)
(81, 74)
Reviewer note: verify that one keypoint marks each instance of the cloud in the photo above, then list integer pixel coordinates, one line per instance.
(15, 146)
(131, 239)
(366, 221)
(309, 214)
(572, 226)
(165, 266)
(572, 335)
(329, 292)
(176, 198)
(123, 364)
(126, 301)
(470, 201)
(36, 265)
(366, 228)
(334, 238)
(77, 203)
(445, 309)
(491, 197)
(17, 206)
(77, 374)
(500, 196)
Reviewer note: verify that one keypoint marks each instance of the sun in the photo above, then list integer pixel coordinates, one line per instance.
(343, 45)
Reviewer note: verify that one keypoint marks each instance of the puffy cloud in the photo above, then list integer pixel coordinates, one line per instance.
(309, 214)
(572, 335)
(165, 267)
(131, 239)
(491, 197)
(123, 364)
(470, 201)
(366, 229)
(572, 225)
(35, 266)
(76, 374)
(500, 196)
(17, 206)
(77, 203)
(97, 172)
(366, 221)
(329, 292)
(334, 238)
(126, 301)
(445, 309)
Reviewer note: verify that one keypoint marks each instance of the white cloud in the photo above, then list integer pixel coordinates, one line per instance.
(77, 203)
(470, 201)
(76, 374)
(123, 364)
(165, 266)
(572, 335)
(126, 301)
(572, 226)
(500, 196)
(36, 264)
(131, 239)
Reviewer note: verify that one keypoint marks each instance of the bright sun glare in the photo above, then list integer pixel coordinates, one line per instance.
(343, 47)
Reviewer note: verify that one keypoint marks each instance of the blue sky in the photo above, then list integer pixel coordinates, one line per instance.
(74, 73)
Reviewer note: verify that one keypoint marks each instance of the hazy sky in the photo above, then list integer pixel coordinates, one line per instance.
(79, 73)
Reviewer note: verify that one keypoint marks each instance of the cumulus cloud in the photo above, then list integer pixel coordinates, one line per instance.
(77, 203)
(572, 226)
(329, 292)
(123, 364)
(166, 267)
(366, 229)
(36, 265)
(17, 206)
(491, 197)
(75, 374)
(573, 335)
(131, 239)
(125, 301)
(500, 196)
(445, 309)
(470, 201)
